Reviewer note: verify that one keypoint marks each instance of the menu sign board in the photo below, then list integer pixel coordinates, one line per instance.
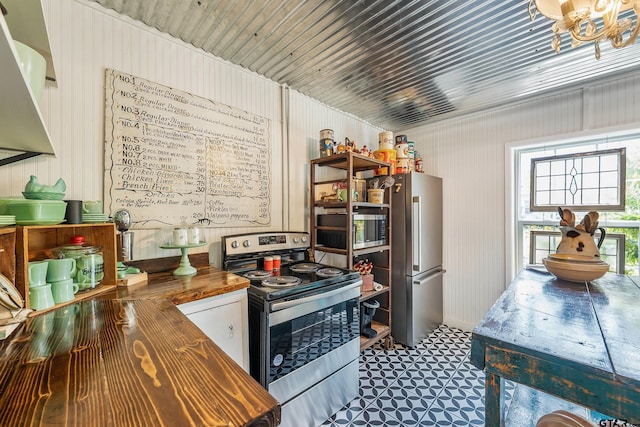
(172, 157)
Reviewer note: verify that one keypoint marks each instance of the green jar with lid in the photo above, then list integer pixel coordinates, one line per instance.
(89, 262)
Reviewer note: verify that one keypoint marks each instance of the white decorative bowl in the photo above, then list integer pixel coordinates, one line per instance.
(576, 271)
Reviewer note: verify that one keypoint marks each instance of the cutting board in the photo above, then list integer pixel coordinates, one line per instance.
(133, 279)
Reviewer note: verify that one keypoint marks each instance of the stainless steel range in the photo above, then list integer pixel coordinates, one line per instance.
(303, 324)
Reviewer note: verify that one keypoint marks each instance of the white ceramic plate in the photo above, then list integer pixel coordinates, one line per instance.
(9, 295)
(40, 222)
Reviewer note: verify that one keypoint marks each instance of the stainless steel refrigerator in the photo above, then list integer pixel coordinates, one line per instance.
(416, 253)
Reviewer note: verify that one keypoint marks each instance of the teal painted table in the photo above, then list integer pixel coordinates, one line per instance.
(576, 341)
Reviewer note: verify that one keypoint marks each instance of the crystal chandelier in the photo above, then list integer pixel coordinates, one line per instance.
(589, 21)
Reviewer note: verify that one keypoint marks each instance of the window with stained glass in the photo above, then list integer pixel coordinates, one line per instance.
(585, 181)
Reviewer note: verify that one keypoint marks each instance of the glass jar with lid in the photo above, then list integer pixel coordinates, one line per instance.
(89, 262)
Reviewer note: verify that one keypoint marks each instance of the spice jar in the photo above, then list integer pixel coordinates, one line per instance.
(89, 262)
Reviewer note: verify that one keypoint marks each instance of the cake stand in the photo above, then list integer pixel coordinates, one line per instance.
(185, 268)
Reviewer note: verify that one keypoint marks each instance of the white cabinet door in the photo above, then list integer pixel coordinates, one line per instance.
(224, 320)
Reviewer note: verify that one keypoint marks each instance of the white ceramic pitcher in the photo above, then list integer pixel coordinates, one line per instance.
(576, 242)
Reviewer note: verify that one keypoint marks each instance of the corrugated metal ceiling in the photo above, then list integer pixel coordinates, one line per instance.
(396, 64)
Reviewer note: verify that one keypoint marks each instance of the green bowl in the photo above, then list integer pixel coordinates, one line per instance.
(4, 204)
(37, 212)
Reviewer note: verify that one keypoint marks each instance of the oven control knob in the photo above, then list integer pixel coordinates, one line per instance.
(246, 243)
(304, 239)
(234, 244)
(296, 240)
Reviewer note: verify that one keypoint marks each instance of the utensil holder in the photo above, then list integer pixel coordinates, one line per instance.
(375, 195)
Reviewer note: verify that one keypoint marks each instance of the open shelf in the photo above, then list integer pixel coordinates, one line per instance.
(351, 169)
(384, 332)
(351, 161)
(34, 243)
(370, 294)
(354, 204)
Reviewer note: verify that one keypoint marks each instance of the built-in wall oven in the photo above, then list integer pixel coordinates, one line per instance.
(303, 325)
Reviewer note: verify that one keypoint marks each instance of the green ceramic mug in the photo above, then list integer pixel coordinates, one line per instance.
(60, 269)
(38, 273)
(41, 297)
(92, 207)
(64, 290)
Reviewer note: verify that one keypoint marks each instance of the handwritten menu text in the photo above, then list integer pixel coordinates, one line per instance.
(172, 157)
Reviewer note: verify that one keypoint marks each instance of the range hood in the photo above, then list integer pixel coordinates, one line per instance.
(21, 123)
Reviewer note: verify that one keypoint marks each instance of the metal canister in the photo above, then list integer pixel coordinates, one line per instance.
(327, 134)
(411, 150)
(327, 142)
(326, 147)
(402, 165)
(419, 166)
(385, 141)
(402, 150)
(388, 156)
(400, 139)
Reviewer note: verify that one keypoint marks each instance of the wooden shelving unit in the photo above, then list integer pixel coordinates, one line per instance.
(8, 253)
(34, 243)
(343, 168)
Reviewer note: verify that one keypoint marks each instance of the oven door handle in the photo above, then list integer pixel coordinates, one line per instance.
(286, 304)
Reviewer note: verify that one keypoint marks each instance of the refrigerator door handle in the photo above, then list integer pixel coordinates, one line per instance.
(429, 277)
(416, 231)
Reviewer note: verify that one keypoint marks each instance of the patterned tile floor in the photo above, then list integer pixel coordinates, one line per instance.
(433, 384)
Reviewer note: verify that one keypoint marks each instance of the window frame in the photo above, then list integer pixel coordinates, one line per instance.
(516, 198)
(621, 188)
(619, 239)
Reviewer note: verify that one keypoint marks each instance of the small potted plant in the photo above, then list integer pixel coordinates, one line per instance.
(364, 268)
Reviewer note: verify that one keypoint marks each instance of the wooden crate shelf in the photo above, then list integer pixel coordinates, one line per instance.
(34, 243)
(8, 253)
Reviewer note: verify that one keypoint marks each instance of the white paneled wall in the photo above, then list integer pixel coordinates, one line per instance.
(86, 39)
(469, 154)
(307, 119)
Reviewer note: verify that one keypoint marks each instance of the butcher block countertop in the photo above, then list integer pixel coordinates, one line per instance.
(208, 282)
(129, 358)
